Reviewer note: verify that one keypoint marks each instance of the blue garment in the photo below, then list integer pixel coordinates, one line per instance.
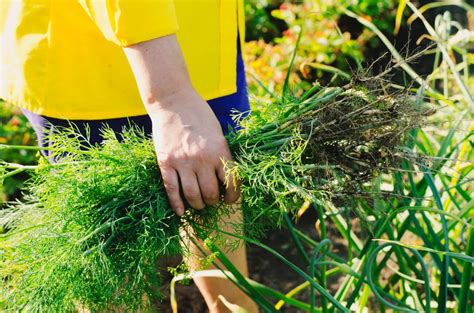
(222, 107)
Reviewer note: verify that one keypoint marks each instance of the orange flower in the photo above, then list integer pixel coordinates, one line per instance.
(15, 121)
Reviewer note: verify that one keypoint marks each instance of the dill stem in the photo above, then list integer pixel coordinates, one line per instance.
(276, 143)
(310, 91)
(102, 228)
(12, 173)
(18, 166)
(20, 147)
(281, 142)
(328, 96)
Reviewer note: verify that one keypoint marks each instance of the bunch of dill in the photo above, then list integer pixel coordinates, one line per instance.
(97, 221)
(92, 226)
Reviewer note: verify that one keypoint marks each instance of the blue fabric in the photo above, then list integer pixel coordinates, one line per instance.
(222, 107)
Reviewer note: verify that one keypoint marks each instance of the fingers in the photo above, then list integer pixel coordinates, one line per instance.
(190, 187)
(171, 182)
(199, 189)
(208, 185)
(232, 192)
(196, 180)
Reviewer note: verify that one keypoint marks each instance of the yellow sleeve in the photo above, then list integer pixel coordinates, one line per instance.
(127, 22)
(241, 21)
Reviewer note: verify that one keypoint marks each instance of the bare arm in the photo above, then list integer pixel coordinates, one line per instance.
(188, 139)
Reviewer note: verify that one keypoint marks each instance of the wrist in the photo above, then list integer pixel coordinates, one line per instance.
(171, 101)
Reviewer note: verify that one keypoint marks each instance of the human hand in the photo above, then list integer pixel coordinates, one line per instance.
(191, 151)
(189, 143)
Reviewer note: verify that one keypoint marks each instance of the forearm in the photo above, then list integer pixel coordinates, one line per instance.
(160, 71)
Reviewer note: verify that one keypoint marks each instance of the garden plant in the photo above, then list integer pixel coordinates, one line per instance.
(94, 223)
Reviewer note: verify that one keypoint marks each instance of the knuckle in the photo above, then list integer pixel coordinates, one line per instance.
(165, 159)
(201, 157)
(174, 160)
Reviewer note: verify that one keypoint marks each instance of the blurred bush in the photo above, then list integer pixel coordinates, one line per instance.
(14, 130)
(331, 43)
(260, 23)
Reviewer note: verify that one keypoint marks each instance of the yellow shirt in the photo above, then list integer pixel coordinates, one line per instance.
(64, 58)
